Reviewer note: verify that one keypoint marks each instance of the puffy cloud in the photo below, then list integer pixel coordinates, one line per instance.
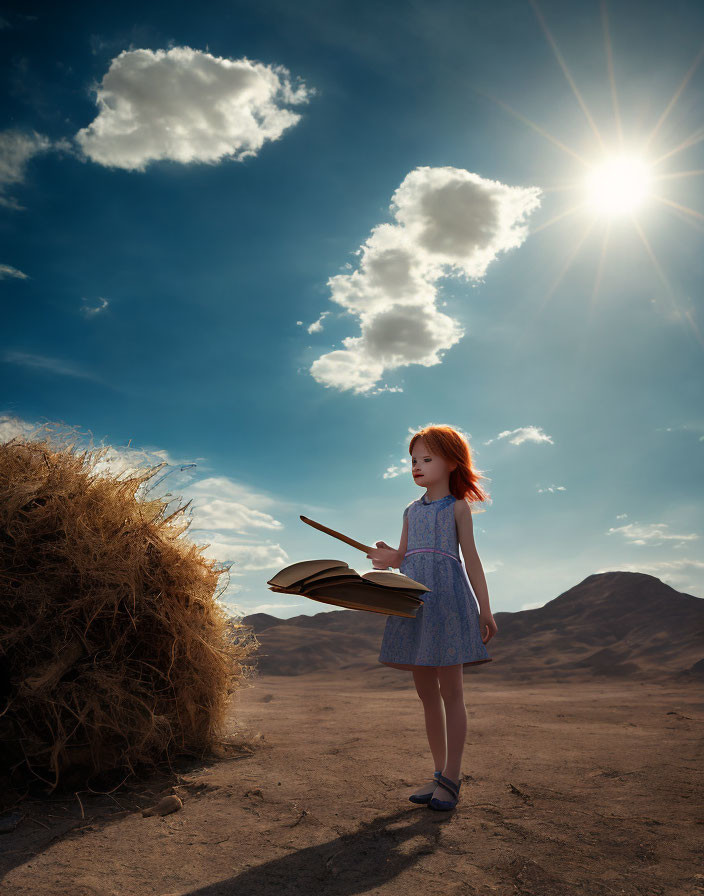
(219, 503)
(245, 557)
(14, 427)
(317, 325)
(448, 221)
(188, 106)
(16, 149)
(402, 468)
(522, 434)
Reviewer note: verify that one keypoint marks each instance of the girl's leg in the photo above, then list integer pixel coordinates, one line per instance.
(425, 679)
(452, 692)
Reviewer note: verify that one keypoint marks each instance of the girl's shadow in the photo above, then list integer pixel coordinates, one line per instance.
(353, 863)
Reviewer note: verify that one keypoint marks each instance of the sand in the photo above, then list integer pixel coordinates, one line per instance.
(574, 787)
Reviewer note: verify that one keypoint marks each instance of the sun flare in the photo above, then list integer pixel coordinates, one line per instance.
(618, 185)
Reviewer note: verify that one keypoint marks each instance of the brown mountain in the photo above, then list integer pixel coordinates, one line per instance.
(613, 624)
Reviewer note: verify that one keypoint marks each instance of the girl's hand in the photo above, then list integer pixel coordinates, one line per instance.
(383, 555)
(487, 626)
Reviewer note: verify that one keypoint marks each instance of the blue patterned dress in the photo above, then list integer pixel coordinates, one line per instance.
(445, 630)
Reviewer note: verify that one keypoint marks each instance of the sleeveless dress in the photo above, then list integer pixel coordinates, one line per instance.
(445, 630)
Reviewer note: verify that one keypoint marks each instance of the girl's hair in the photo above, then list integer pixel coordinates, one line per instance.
(448, 443)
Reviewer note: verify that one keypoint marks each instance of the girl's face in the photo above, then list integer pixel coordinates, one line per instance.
(429, 469)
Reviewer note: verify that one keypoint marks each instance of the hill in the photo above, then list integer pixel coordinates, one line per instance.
(613, 624)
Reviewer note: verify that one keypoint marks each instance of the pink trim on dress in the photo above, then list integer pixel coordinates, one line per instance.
(432, 551)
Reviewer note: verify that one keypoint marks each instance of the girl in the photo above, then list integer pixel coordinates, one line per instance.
(448, 632)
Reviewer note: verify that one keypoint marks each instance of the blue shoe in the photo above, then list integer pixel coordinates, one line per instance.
(451, 788)
(425, 799)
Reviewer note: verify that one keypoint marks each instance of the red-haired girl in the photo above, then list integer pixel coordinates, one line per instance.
(448, 632)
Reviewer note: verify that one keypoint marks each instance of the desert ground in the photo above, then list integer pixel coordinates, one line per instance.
(590, 788)
(582, 771)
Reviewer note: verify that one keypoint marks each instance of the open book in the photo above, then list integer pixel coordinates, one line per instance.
(333, 582)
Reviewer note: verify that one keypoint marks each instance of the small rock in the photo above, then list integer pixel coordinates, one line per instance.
(166, 806)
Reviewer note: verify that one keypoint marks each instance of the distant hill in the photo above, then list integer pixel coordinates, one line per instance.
(612, 624)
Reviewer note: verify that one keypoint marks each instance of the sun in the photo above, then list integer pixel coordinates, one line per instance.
(629, 177)
(618, 185)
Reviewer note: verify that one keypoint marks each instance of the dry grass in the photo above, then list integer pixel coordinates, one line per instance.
(114, 650)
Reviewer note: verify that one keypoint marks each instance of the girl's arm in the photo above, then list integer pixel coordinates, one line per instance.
(383, 555)
(403, 546)
(473, 565)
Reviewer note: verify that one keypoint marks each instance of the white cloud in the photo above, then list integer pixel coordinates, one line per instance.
(6, 270)
(448, 222)
(17, 147)
(317, 325)
(491, 566)
(219, 503)
(187, 106)
(686, 427)
(650, 534)
(522, 434)
(14, 427)
(246, 556)
(664, 566)
(41, 362)
(92, 310)
(402, 468)
(552, 488)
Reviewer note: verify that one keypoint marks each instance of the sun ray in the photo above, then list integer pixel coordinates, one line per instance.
(687, 220)
(656, 264)
(687, 314)
(567, 265)
(569, 211)
(695, 328)
(600, 266)
(682, 208)
(675, 97)
(693, 139)
(678, 174)
(566, 72)
(610, 68)
(535, 127)
(621, 180)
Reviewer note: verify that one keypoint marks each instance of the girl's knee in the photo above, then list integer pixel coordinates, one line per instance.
(452, 695)
(427, 684)
(451, 683)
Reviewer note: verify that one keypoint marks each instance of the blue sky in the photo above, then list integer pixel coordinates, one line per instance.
(273, 240)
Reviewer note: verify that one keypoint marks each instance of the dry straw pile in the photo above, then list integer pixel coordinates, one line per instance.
(114, 650)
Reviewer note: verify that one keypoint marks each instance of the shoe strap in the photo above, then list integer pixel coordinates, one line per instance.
(449, 785)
